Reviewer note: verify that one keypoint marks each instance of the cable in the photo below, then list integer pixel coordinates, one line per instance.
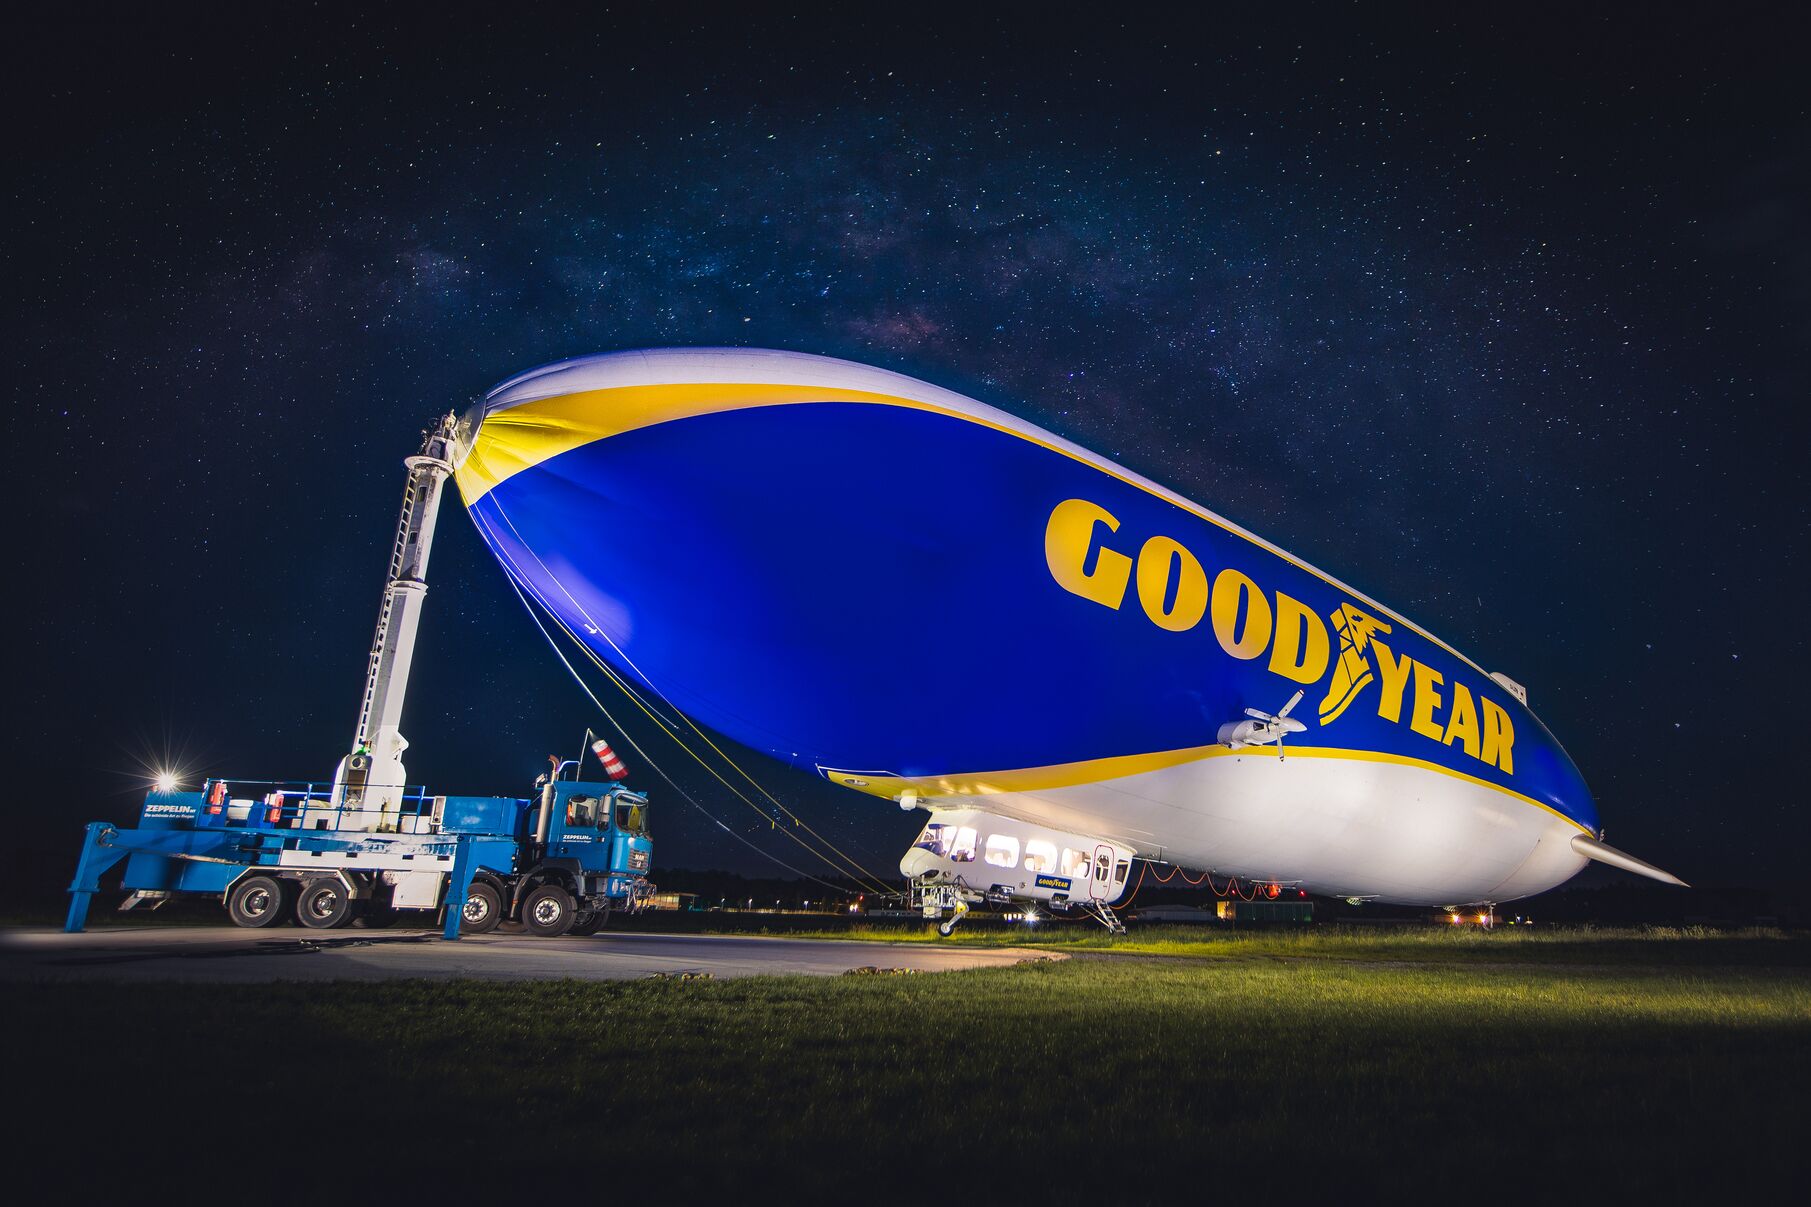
(853, 869)
(627, 737)
(851, 866)
(864, 885)
(866, 880)
(1143, 867)
(1231, 889)
(686, 796)
(629, 691)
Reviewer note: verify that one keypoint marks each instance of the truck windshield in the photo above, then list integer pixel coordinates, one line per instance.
(631, 818)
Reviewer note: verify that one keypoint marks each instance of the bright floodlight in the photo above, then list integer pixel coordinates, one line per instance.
(166, 781)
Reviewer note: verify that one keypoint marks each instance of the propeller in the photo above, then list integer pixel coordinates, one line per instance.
(1263, 728)
(1280, 717)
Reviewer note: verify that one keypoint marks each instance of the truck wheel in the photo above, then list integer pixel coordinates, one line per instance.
(256, 901)
(590, 922)
(548, 912)
(323, 905)
(482, 911)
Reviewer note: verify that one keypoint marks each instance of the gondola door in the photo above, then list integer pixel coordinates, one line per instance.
(1099, 886)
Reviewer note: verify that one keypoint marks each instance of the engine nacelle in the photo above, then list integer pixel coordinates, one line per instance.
(1244, 733)
(1002, 859)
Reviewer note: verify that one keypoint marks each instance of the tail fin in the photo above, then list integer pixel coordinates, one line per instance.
(1603, 852)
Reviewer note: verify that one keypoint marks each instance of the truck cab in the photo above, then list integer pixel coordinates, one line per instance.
(580, 852)
(598, 832)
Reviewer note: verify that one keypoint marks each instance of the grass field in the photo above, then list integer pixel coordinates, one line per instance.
(1700, 945)
(1468, 1066)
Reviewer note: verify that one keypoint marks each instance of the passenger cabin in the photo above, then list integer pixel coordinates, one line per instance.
(1004, 859)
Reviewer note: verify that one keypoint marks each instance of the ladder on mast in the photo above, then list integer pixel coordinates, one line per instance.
(368, 785)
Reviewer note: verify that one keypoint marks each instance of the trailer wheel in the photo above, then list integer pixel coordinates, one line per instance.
(483, 909)
(324, 904)
(589, 922)
(256, 901)
(548, 912)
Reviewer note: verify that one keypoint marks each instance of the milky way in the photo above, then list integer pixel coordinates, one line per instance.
(1503, 327)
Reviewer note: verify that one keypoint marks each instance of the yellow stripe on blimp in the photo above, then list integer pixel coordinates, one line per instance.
(521, 437)
(1069, 775)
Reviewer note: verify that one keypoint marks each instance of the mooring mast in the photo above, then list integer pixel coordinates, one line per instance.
(369, 782)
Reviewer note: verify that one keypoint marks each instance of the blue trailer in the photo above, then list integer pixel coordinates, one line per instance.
(559, 862)
(365, 845)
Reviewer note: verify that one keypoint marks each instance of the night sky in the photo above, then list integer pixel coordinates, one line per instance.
(1506, 326)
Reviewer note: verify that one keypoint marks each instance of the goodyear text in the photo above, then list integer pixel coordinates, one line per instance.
(1089, 556)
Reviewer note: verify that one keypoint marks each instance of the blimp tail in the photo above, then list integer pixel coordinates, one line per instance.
(1603, 852)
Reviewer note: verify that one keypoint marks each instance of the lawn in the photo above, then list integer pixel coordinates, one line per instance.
(1284, 1064)
(1698, 945)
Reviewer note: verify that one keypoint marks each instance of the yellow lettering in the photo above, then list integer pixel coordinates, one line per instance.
(1463, 724)
(1427, 699)
(1068, 539)
(1302, 650)
(1229, 586)
(1499, 737)
(1154, 582)
(1393, 676)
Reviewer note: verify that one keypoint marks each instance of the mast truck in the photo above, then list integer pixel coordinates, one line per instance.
(368, 846)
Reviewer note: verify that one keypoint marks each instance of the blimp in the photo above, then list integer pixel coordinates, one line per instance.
(937, 605)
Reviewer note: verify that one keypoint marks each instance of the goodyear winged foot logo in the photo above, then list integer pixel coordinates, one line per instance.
(1250, 622)
(1352, 665)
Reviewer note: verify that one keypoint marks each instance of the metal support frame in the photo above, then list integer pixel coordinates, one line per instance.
(459, 882)
(98, 857)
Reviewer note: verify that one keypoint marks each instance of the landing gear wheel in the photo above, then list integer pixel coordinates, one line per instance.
(947, 927)
(324, 905)
(589, 923)
(548, 912)
(483, 909)
(257, 901)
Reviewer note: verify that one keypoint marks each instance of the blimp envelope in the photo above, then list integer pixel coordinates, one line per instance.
(902, 588)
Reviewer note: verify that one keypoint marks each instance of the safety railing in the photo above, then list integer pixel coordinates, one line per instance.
(309, 805)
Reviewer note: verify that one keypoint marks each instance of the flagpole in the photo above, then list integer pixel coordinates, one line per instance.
(578, 767)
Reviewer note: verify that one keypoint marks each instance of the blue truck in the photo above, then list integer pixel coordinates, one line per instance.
(366, 845)
(560, 862)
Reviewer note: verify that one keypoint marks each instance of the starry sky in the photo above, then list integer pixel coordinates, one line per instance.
(1503, 324)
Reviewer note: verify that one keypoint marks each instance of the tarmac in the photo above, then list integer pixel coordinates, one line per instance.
(230, 955)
